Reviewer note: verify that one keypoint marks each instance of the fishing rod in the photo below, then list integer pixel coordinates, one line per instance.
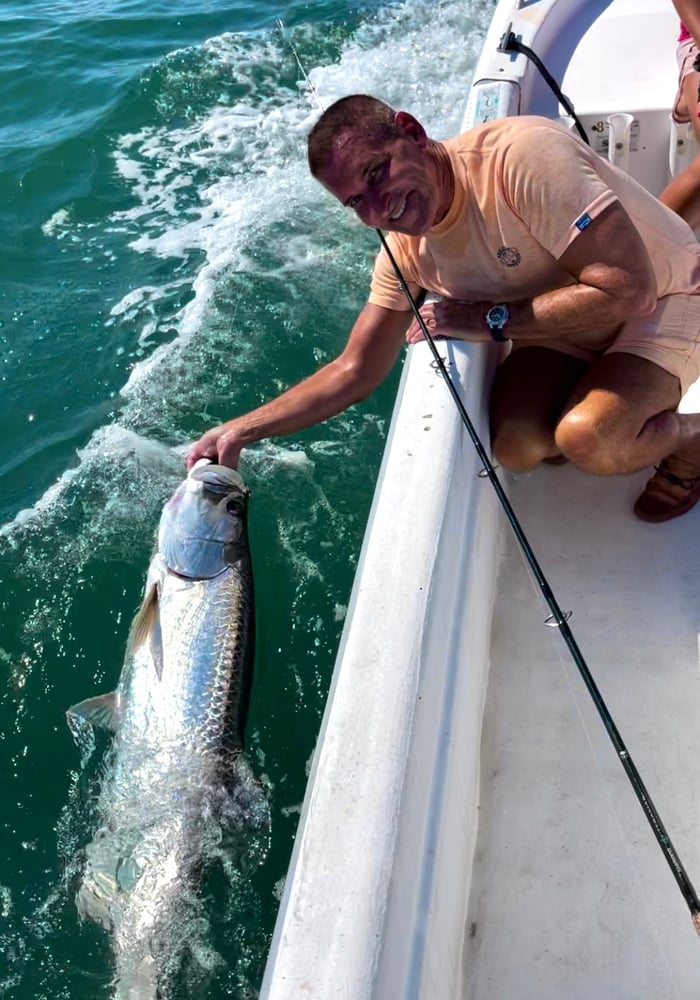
(558, 619)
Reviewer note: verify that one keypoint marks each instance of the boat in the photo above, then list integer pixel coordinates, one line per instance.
(468, 830)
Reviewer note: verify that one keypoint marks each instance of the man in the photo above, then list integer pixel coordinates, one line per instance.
(600, 284)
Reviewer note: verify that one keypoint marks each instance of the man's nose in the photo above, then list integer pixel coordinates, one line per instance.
(383, 204)
(374, 206)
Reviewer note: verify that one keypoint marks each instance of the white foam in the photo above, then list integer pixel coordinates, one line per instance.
(267, 457)
(256, 148)
(114, 444)
(57, 223)
(109, 444)
(25, 516)
(394, 57)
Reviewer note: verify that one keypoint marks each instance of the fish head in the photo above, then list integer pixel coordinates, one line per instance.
(203, 527)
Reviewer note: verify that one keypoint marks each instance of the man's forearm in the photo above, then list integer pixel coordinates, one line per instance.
(322, 395)
(576, 311)
(372, 349)
(582, 313)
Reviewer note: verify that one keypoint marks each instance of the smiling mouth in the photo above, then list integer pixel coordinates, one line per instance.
(395, 216)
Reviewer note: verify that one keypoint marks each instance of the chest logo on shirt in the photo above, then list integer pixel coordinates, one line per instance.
(509, 256)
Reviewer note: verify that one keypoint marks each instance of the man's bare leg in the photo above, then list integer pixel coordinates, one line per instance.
(621, 418)
(615, 416)
(530, 391)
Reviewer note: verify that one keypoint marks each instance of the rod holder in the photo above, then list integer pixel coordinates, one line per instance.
(619, 131)
(680, 146)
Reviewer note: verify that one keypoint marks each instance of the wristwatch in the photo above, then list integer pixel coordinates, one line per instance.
(496, 319)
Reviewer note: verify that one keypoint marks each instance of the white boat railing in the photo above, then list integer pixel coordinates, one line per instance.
(380, 839)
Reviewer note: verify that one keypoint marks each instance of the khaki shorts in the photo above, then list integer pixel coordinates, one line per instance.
(669, 337)
(685, 54)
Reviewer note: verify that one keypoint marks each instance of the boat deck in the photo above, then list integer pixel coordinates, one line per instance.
(571, 895)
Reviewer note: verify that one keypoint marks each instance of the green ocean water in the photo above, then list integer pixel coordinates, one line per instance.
(166, 263)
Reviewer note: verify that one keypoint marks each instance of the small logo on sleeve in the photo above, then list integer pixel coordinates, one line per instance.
(509, 256)
(583, 222)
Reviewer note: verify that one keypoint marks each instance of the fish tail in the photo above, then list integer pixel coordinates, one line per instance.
(139, 983)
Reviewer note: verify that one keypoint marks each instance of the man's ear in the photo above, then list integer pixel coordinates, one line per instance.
(411, 127)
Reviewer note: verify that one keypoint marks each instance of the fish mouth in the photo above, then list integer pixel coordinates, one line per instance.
(203, 526)
(218, 479)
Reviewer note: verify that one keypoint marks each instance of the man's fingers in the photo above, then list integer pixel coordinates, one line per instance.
(229, 451)
(202, 449)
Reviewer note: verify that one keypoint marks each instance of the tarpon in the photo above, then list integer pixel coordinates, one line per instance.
(178, 715)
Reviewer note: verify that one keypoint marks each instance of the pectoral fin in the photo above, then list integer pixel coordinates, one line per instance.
(157, 646)
(101, 711)
(146, 629)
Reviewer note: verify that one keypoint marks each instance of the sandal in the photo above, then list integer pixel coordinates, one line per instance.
(668, 495)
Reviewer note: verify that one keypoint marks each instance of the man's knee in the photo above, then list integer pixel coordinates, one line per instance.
(585, 443)
(519, 447)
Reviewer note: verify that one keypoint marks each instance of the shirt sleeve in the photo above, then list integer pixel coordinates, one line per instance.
(385, 289)
(550, 181)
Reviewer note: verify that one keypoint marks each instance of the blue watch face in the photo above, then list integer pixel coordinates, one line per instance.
(498, 316)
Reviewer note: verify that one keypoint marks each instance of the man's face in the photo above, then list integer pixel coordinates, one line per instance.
(391, 184)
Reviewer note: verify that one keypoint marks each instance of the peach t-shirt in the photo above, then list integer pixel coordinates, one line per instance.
(525, 187)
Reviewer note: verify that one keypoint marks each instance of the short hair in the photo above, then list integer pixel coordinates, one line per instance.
(357, 113)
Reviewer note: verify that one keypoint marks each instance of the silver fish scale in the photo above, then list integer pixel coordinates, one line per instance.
(205, 628)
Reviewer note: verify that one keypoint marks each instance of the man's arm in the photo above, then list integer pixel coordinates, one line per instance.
(614, 281)
(369, 355)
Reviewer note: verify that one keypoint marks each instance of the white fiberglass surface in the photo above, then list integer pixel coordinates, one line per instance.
(571, 895)
(632, 46)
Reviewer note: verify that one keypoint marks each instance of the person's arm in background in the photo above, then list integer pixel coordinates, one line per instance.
(682, 193)
(369, 355)
(689, 13)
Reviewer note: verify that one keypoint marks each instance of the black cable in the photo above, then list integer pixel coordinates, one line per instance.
(560, 619)
(509, 43)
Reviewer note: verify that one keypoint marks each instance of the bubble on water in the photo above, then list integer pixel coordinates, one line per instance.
(278, 890)
(57, 223)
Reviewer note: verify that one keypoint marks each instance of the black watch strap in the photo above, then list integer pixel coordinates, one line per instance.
(497, 335)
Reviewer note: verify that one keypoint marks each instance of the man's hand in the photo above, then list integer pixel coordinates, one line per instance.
(452, 318)
(221, 444)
